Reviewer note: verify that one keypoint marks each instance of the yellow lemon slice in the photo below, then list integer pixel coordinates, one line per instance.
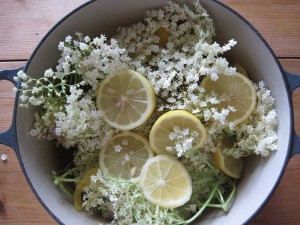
(126, 99)
(241, 69)
(236, 91)
(165, 182)
(124, 155)
(163, 35)
(175, 132)
(228, 164)
(86, 180)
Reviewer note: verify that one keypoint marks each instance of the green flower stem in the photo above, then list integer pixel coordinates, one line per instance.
(161, 98)
(204, 206)
(58, 180)
(224, 204)
(68, 172)
(221, 197)
(229, 199)
(62, 187)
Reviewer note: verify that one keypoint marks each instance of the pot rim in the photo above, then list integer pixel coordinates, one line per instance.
(283, 74)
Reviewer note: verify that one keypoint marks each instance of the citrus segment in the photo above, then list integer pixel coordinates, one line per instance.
(124, 155)
(228, 164)
(236, 91)
(86, 180)
(241, 69)
(126, 99)
(165, 182)
(175, 132)
(163, 35)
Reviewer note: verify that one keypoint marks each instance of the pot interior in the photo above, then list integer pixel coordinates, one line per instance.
(40, 158)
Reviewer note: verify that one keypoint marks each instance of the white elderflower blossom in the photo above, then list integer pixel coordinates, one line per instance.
(176, 70)
(183, 139)
(3, 157)
(117, 148)
(258, 135)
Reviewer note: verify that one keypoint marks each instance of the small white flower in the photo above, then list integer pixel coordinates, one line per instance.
(117, 148)
(3, 157)
(68, 39)
(83, 46)
(61, 45)
(193, 208)
(49, 73)
(87, 39)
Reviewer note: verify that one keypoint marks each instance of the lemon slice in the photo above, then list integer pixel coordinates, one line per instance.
(126, 99)
(173, 130)
(241, 69)
(86, 180)
(228, 164)
(236, 91)
(165, 182)
(163, 35)
(124, 155)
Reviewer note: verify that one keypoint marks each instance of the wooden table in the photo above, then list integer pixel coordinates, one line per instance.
(24, 22)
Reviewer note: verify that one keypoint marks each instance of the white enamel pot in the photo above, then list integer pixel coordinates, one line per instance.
(261, 176)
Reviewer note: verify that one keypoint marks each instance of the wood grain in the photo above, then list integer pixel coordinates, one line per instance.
(24, 22)
(277, 20)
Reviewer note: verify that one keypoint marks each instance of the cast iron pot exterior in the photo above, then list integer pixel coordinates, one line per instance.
(38, 158)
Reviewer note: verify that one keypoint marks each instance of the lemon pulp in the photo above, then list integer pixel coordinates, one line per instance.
(124, 155)
(81, 185)
(126, 99)
(228, 164)
(160, 139)
(236, 91)
(165, 182)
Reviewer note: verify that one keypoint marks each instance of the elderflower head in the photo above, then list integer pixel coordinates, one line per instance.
(180, 64)
(183, 139)
(123, 202)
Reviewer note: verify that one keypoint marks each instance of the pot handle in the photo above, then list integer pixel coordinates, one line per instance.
(9, 137)
(294, 82)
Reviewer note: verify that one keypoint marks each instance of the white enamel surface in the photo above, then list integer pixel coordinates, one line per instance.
(103, 16)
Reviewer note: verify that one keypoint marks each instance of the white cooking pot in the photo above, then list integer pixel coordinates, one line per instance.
(261, 176)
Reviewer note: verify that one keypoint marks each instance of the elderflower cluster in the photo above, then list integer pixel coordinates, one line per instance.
(183, 140)
(91, 59)
(258, 135)
(176, 69)
(69, 114)
(124, 201)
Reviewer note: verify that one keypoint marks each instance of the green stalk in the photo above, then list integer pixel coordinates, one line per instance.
(204, 206)
(58, 180)
(229, 199)
(208, 164)
(221, 197)
(62, 187)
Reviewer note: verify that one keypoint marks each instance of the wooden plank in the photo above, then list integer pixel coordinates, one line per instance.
(24, 23)
(293, 66)
(277, 20)
(18, 205)
(7, 96)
